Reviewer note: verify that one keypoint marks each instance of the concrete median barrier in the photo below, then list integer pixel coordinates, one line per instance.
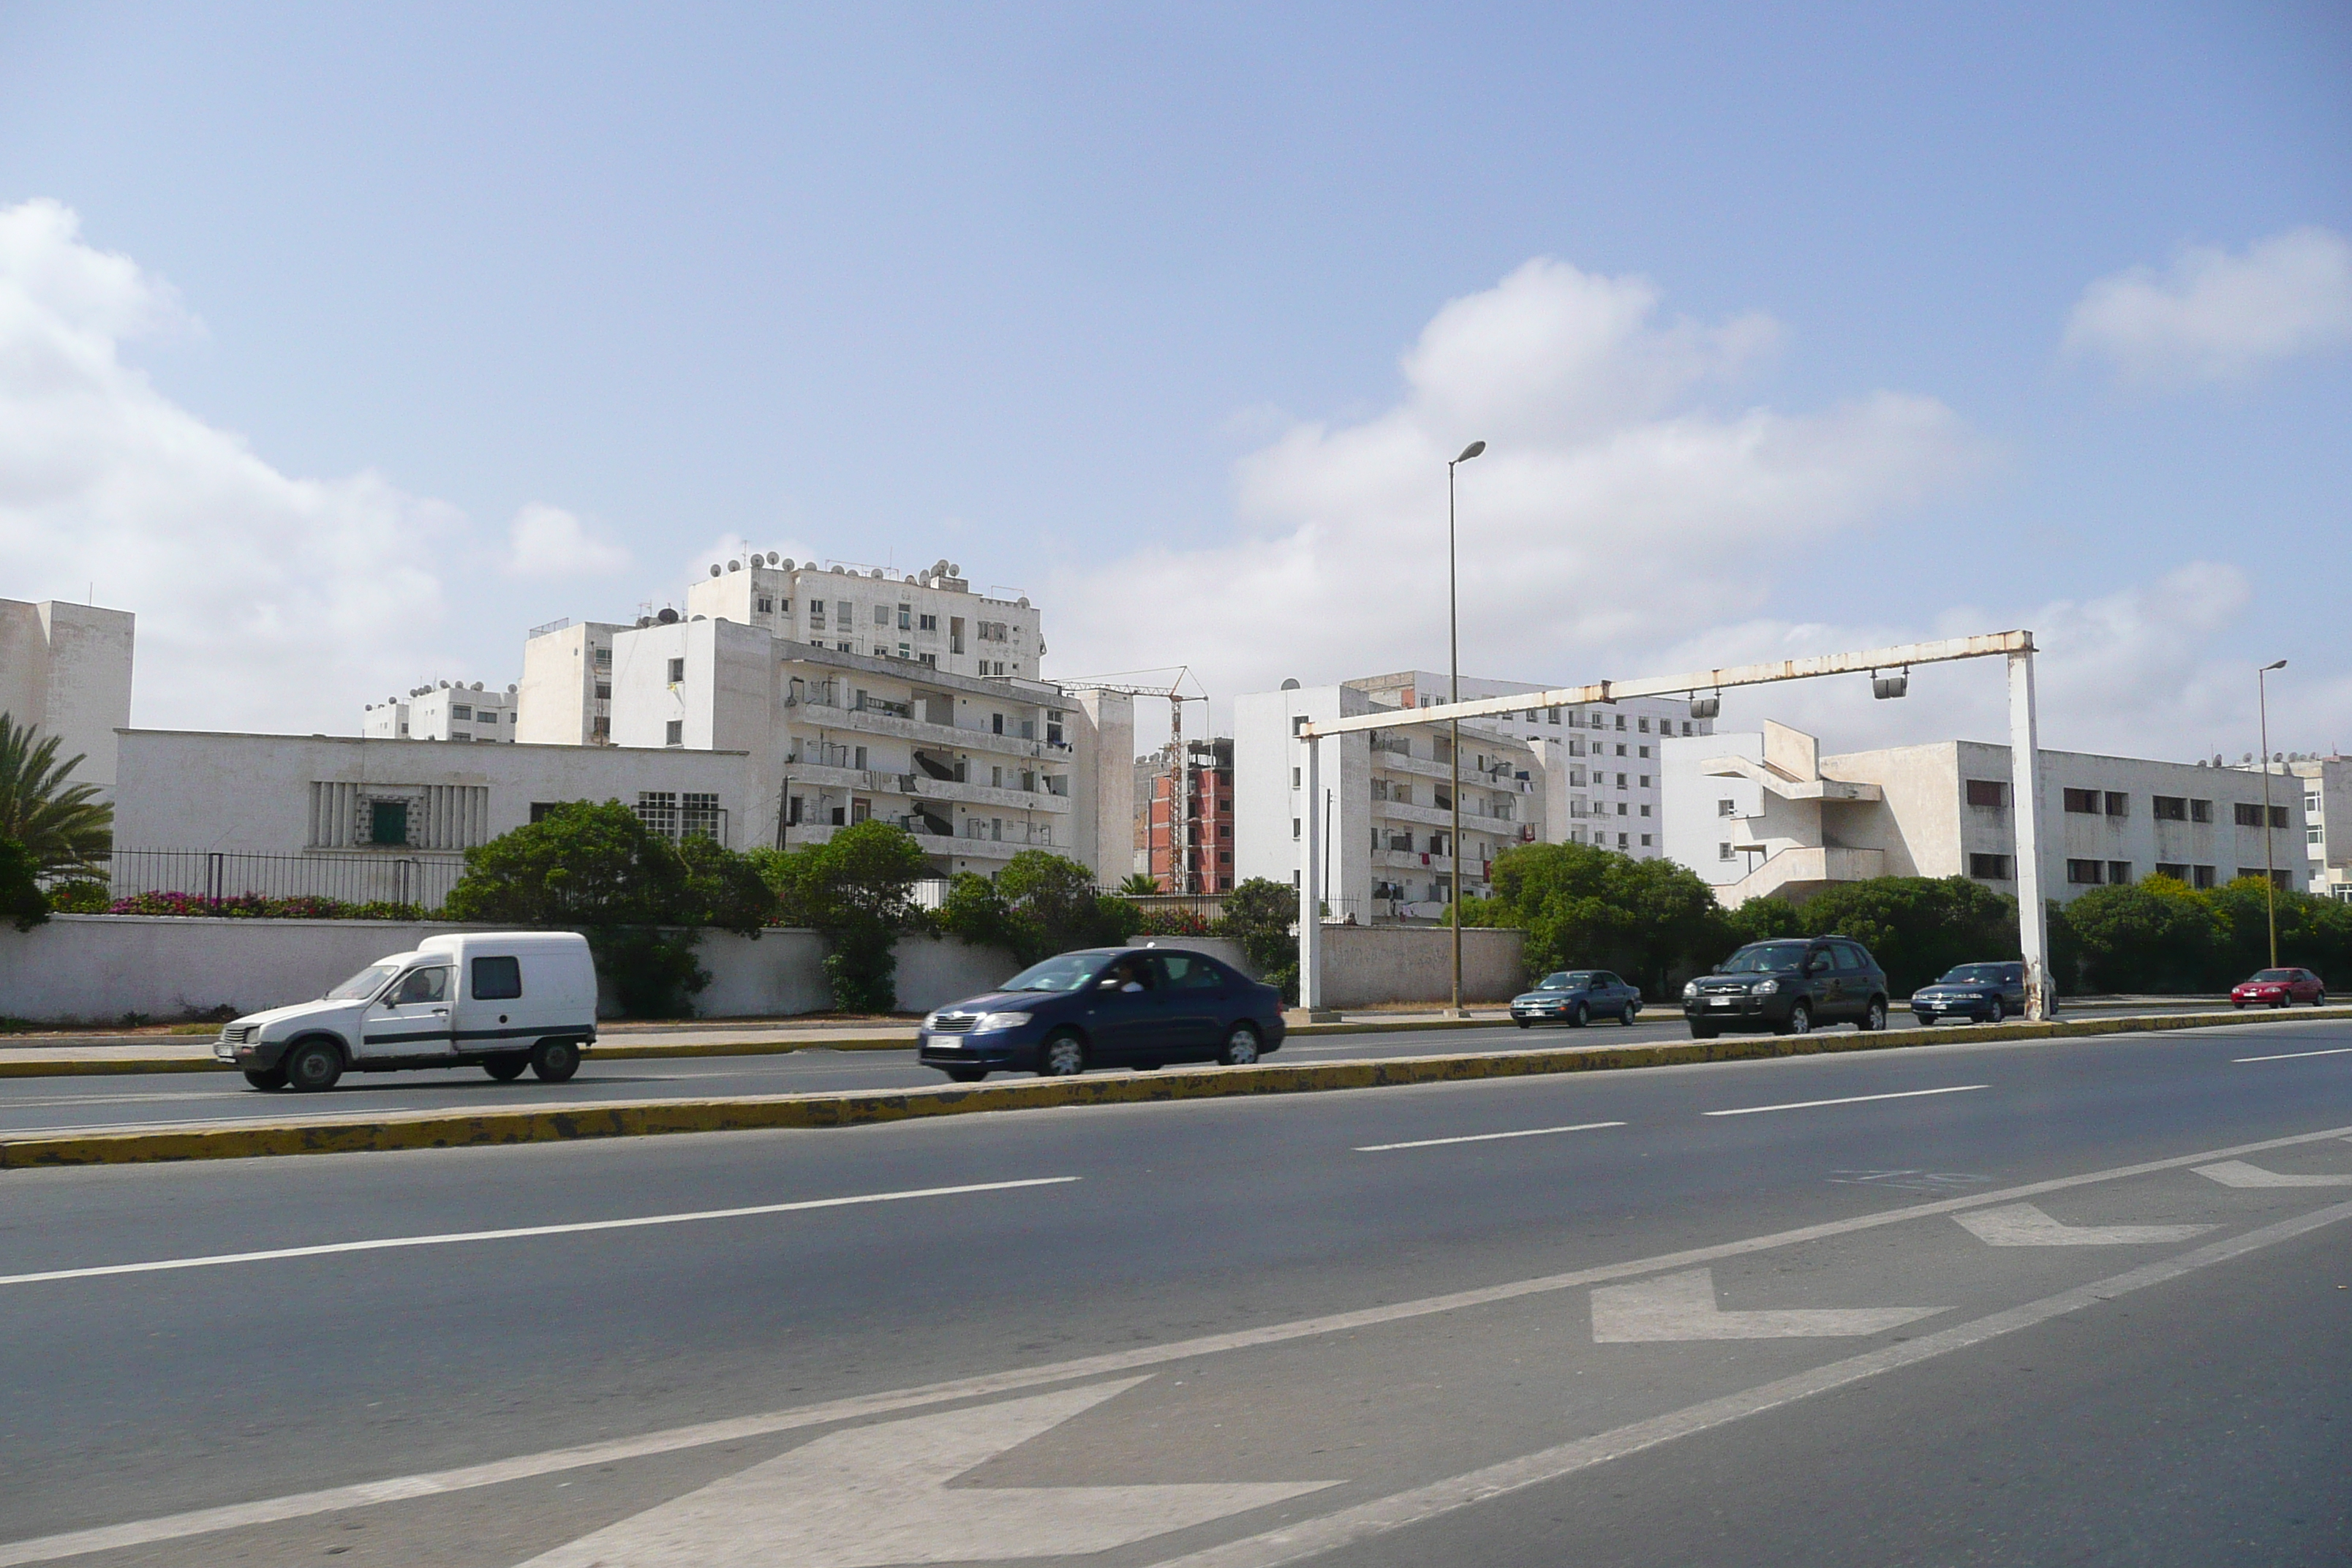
(297, 1134)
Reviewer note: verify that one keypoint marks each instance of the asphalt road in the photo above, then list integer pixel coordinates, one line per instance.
(119, 1102)
(1971, 1303)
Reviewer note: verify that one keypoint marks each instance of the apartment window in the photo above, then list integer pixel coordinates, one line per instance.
(1989, 867)
(1645, 726)
(2200, 811)
(1053, 727)
(859, 753)
(767, 606)
(1645, 751)
(658, 809)
(599, 729)
(698, 813)
(603, 691)
(1294, 778)
(996, 723)
(1620, 808)
(2169, 808)
(1722, 851)
(2278, 878)
(2314, 836)
(2248, 815)
(906, 617)
(605, 658)
(460, 712)
(906, 650)
(1988, 791)
(931, 659)
(881, 614)
(2118, 804)
(1645, 841)
(388, 822)
(2119, 872)
(997, 778)
(1294, 827)
(673, 732)
(1621, 748)
(1551, 716)
(2311, 803)
(2087, 873)
(2084, 802)
(1621, 781)
(844, 648)
(1645, 781)
(1727, 808)
(1645, 808)
(677, 672)
(2177, 871)
(2202, 876)
(1686, 726)
(1620, 837)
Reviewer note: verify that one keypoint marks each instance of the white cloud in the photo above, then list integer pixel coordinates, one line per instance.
(547, 541)
(2217, 318)
(264, 601)
(1614, 509)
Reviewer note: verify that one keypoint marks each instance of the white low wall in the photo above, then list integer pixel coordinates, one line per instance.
(99, 969)
(1366, 965)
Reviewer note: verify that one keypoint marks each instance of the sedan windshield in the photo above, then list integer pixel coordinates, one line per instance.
(1767, 958)
(364, 984)
(1066, 971)
(2277, 974)
(1975, 974)
(1566, 980)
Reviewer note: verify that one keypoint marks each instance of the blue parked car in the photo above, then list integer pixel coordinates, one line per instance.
(1105, 1006)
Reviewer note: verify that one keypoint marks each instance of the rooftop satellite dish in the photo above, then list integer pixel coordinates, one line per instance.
(788, 563)
(875, 573)
(512, 688)
(714, 569)
(702, 618)
(1290, 685)
(1022, 600)
(954, 570)
(477, 686)
(668, 617)
(734, 566)
(445, 686)
(644, 620)
(837, 570)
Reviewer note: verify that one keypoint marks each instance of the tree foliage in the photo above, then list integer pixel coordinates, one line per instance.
(1038, 905)
(1260, 915)
(1583, 906)
(640, 898)
(64, 826)
(856, 889)
(22, 902)
(1140, 884)
(1916, 927)
(2161, 935)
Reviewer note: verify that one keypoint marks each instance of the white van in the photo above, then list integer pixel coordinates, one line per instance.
(503, 1001)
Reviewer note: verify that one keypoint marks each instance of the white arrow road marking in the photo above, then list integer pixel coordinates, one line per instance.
(1682, 1307)
(876, 1495)
(2238, 1174)
(2022, 1224)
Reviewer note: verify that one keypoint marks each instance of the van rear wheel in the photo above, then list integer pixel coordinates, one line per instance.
(506, 1070)
(555, 1060)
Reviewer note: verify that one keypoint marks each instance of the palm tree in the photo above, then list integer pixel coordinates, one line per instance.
(64, 827)
(1140, 884)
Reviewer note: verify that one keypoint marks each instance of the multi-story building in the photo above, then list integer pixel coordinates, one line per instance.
(565, 698)
(1611, 784)
(1386, 806)
(1186, 825)
(65, 670)
(443, 712)
(1764, 813)
(977, 768)
(2325, 786)
(931, 618)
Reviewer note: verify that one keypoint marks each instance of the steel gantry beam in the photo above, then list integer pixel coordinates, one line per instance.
(2016, 647)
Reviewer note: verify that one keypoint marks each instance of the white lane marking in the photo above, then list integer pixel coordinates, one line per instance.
(877, 1495)
(1845, 1100)
(741, 1428)
(2238, 1174)
(1682, 1307)
(1311, 1538)
(517, 1233)
(1484, 1137)
(2022, 1224)
(2296, 1056)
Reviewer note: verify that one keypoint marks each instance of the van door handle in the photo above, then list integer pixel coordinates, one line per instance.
(440, 1011)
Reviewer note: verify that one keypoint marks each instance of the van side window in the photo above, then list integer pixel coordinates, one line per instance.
(496, 979)
(422, 985)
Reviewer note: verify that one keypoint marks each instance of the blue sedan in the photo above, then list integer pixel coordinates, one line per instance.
(1980, 993)
(1576, 997)
(1108, 1006)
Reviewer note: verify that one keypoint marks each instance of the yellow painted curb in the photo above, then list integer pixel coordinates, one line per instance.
(859, 1108)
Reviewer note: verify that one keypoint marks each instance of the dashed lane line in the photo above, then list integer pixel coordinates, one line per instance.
(1845, 1100)
(2296, 1056)
(1484, 1137)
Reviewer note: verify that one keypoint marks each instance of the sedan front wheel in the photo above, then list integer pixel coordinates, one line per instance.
(1241, 1048)
(1064, 1056)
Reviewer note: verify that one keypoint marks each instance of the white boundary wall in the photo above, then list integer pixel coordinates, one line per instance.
(98, 968)
(1368, 965)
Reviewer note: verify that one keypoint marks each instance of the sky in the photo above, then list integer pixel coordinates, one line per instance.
(343, 344)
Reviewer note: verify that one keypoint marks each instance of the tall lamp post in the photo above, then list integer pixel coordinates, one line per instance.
(1453, 694)
(2270, 867)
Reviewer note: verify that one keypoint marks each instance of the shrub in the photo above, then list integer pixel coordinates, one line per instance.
(857, 889)
(22, 902)
(1583, 906)
(1039, 905)
(1260, 915)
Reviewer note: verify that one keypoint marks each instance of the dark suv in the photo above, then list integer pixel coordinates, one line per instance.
(1105, 1006)
(1788, 985)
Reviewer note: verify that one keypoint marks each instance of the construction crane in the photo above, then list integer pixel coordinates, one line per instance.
(1180, 876)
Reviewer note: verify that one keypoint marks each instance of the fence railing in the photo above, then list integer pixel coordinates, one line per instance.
(214, 876)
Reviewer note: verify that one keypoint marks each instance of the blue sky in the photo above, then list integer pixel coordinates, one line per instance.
(1146, 312)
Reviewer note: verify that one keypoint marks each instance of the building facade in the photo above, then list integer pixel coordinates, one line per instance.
(444, 712)
(1186, 825)
(65, 670)
(2326, 786)
(931, 618)
(1765, 814)
(1387, 803)
(565, 696)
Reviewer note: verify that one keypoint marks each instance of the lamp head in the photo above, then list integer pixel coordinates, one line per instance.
(2268, 668)
(1472, 450)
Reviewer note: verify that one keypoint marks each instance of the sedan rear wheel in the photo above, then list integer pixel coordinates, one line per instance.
(1241, 1048)
(1064, 1056)
(1996, 1013)
(2320, 1000)
(1626, 1017)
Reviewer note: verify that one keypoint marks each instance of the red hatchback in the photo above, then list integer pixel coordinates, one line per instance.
(2277, 987)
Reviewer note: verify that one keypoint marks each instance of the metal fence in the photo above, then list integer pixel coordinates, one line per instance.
(214, 876)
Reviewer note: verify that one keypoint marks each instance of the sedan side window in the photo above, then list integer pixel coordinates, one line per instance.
(1187, 973)
(422, 985)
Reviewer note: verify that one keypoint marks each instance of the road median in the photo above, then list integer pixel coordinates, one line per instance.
(298, 1134)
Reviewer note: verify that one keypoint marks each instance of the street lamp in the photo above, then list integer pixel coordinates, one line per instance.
(1453, 694)
(2270, 868)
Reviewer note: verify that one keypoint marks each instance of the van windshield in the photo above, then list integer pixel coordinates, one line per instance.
(1770, 958)
(364, 984)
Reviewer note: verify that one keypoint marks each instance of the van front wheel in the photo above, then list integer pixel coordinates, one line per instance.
(313, 1066)
(555, 1060)
(265, 1077)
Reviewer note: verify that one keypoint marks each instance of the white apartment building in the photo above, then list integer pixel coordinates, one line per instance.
(1611, 793)
(2325, 786)
(1765, 814)
(1386, 806)
(443, 712)
(565, 697)
(931, 617)
(65, 670)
